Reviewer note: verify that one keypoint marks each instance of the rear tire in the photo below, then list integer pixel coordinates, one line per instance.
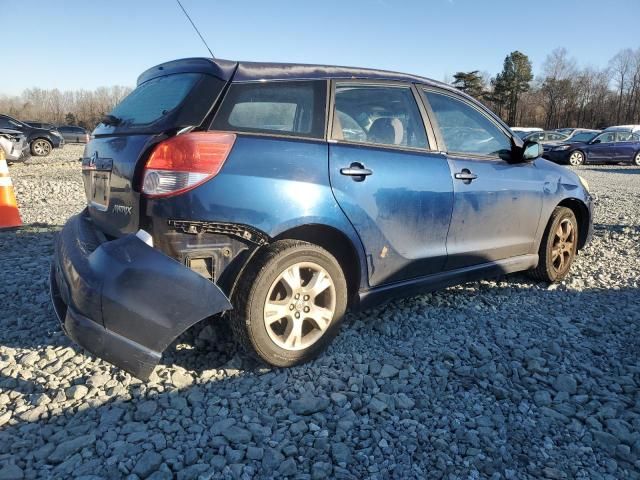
(558, 246)
(278, 316)
(576, 158)
(41, 147)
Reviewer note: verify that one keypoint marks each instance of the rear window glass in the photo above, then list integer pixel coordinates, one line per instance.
(286, 108)
(155, 98)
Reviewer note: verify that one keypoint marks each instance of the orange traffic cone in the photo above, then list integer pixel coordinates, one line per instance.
(9, 214)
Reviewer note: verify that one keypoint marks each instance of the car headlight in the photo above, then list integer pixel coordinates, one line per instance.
(563, 147)
(584, 183)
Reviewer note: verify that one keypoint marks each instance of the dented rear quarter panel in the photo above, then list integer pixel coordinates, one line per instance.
(271, 184)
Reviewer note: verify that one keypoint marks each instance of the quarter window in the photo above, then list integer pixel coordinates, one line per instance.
(466, 130)
(286, 108)
(378, 114)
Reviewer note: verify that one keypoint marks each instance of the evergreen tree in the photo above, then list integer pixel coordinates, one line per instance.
(511, 83)
(470, 83)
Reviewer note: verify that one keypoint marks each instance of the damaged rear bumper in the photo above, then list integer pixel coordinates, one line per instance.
(123, 300)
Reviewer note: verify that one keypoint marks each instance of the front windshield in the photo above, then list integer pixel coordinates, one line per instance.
(583, 137)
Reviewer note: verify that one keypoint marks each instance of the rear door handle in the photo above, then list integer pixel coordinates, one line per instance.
(466, 176)
(357, 171)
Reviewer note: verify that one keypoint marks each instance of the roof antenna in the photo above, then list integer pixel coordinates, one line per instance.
(196, 29)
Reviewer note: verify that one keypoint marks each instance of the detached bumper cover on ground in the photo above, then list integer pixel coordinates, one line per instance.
(123, 300)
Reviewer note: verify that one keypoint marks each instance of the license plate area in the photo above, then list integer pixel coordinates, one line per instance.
(99, 189)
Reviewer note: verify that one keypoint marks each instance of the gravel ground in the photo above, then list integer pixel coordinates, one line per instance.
(496, 379)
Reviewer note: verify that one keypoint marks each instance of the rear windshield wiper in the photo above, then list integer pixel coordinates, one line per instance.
(111, 120)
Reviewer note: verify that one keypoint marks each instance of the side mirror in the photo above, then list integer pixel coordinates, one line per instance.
(597, 140)
(531, 150)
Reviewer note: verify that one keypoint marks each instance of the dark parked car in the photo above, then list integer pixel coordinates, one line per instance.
(284, 194)
(73, 134)
(41, 141)
(610, 146)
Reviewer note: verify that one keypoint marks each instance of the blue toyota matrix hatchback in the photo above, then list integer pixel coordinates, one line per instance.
(285, 194)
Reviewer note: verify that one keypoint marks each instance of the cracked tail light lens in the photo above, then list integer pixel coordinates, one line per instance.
(181, 163)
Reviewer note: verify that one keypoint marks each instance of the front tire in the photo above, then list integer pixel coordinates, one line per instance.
(558, 246)
(289, 303)
(636, 159)
(576, 158)
(41, 147)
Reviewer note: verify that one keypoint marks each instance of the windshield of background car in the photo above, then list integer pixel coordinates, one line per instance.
(9, 123)
(583, 137)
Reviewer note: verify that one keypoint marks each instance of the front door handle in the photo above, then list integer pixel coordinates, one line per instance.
(466, 176)
(357, 171)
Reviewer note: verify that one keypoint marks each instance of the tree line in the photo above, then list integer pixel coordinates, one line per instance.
(563, 95)
(78, 107)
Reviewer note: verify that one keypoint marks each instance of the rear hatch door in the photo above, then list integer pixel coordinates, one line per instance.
(168, 98)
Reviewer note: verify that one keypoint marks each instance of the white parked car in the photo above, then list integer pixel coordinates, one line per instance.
(14, 145)
(632, 128)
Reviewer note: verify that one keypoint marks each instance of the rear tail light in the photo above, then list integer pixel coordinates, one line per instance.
(184, 162)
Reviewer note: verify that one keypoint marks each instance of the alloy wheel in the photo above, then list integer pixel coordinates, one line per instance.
(637, 159)
(576, 159)
(564, 243)
(41, 148)
(300, 306)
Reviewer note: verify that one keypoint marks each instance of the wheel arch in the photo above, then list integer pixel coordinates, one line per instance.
(581, 212)
(41, 137)
(335, 242)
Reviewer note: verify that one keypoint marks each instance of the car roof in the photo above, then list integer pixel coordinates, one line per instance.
(623, 128)
(259, 71)
(248, 71)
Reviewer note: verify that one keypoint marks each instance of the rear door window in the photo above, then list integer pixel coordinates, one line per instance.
(379, 115)
(283, 108)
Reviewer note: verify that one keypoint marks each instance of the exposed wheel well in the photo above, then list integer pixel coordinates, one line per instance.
(336, 243)
(581, 212)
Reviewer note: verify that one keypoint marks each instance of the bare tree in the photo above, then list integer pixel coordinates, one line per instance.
(621, 65)
(53, 106)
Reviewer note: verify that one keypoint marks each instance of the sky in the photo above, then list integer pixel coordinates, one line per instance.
(71, 44)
